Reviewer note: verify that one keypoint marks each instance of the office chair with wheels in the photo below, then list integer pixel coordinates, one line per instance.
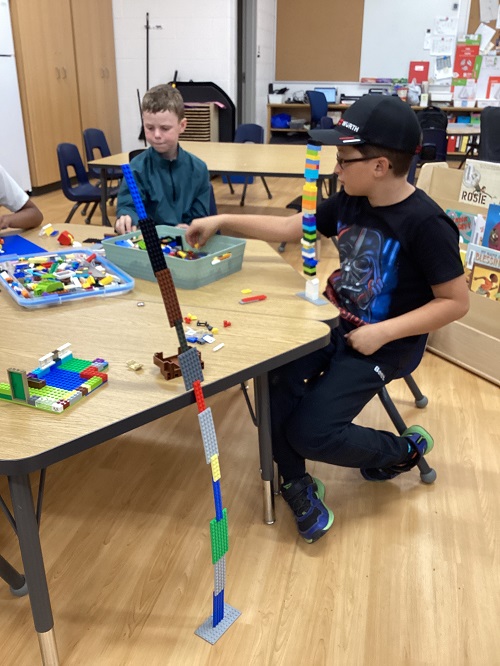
(319, 106)
(326, 122)
(68, 157)
(489, 142)
(249, 133)
(434, 149)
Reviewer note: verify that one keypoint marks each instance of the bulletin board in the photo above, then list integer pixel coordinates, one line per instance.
(344, 40)
(318, 41)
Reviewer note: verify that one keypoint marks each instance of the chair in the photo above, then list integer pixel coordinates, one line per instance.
(83, 192)
(434, 149)
(326, 122)
(134, 153)
(489, 142)
(249, 133)
(427, 474)
(212, 209)
(319, 106)
(96, 146)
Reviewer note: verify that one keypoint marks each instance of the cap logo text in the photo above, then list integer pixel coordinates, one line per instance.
(348, 125)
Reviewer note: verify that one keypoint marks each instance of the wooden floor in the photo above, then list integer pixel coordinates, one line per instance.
(407, 576)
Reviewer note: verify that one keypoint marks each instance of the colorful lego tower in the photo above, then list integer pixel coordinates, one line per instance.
(223, 615)
(309, 200)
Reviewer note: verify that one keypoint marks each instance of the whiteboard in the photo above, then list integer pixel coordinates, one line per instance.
(394, 31)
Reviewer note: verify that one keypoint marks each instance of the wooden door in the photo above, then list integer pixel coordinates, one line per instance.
(95, 58)
(46, 67)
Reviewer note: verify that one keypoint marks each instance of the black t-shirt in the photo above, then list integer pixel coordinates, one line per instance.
(390, 256)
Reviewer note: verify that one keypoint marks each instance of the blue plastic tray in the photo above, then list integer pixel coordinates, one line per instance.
(13, 282)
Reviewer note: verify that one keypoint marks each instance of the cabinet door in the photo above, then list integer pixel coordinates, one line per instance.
(95, 59)
(44, 50)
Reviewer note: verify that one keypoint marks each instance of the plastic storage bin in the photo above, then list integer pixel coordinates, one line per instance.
(185, 274)
(13, 277)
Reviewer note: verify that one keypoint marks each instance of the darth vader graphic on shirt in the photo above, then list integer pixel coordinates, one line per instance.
(361, 288)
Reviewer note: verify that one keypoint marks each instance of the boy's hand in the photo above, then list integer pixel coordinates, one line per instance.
(366, 339)
(124, 225)
(201, 230)
(4, 222)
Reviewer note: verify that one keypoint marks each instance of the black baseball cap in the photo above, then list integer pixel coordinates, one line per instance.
(378, 120)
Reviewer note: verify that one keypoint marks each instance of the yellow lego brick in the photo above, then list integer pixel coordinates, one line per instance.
(214, 463)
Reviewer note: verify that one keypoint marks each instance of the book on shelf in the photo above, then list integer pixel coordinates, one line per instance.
(464, 222)
(491, 235)
(480, 183)
(482, 255)
(418, 71)
(485, 280)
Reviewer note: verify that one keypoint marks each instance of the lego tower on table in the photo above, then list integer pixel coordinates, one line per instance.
(309, 237)
(223, 614)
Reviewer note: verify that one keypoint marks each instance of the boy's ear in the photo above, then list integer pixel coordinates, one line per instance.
(382, 165)
(183, 125)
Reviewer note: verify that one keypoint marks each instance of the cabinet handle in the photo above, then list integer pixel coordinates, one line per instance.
(63, 69)
(58, 73)
(101, 69)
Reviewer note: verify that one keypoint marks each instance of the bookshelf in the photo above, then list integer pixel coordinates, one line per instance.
(298, 111)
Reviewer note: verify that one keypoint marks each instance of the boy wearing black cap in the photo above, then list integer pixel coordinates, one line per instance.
(400, 277)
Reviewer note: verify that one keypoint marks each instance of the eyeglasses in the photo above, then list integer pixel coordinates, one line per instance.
(341, 161)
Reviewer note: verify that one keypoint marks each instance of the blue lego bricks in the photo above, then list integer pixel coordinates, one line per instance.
(217, 500)
(218, 608)
(211, 633)
(62, 379)
(208, 433)
(190, 365)
(134, 191)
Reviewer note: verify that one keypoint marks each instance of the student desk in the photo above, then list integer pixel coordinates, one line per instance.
(31, 440)
(252, 159)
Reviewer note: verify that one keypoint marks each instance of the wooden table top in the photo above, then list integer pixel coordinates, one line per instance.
(117, 330)
(265, 159)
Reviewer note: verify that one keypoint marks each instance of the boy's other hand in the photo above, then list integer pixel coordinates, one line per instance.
(366, 339)
(201, 230)
(124, 225)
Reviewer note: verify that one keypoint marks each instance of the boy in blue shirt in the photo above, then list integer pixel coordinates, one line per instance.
(173, 183)
(400, 277)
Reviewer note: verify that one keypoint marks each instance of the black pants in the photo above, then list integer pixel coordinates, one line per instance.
(313, 403)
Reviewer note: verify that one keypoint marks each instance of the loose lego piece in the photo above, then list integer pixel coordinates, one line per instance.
(217, 347)
(252, 299)
(65, 238)
(133, 365)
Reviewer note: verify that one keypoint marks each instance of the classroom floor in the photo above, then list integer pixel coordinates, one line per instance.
(407, 576)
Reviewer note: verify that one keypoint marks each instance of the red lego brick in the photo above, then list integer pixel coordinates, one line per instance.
(198, 393)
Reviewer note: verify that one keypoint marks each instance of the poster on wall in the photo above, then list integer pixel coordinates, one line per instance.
(467, 62)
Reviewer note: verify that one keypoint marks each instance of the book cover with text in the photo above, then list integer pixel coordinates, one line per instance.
(480, 183)
(491, 235)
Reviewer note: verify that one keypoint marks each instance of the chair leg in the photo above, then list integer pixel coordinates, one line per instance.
(231, 188)
(92, 211)
(72, 212)
(242, 202)
(269, 195)
(83, 212)
(282, 246)
(421, 400)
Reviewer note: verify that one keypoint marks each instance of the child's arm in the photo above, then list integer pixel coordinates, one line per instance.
(272, 228)
(27, 217)
(450, 302)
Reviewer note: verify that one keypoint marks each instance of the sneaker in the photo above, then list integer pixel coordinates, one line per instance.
(420, 443)
(305, 498)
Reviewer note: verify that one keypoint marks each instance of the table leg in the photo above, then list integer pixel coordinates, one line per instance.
(13, 578)
(34, 571)
(263, 414)
(104, 196)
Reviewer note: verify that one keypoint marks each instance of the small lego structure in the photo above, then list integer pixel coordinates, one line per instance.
(134, 365)
(57, 383)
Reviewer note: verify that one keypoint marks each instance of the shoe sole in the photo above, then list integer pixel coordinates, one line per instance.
(321, 494)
